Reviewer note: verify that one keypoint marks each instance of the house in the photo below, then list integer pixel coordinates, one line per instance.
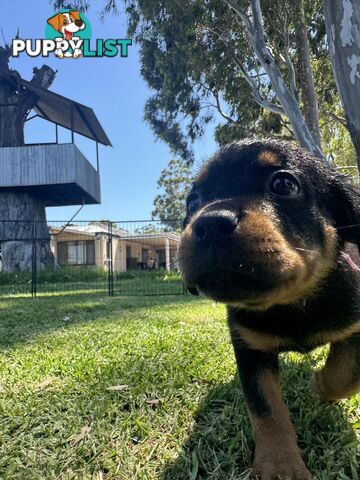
(130, 250)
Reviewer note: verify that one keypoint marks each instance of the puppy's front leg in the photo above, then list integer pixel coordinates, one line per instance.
(276, 453)
(340, 377)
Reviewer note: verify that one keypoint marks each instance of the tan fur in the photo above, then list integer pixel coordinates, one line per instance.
(261, 341)
(334, 336)
(266, 342)
(269, 158)
(340, 377)
(276, 451)
(306, 267)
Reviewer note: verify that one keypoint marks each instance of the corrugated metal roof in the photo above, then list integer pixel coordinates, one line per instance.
(67, 113)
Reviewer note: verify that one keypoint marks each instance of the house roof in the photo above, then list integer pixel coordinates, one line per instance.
(69, 114)
(96, 228)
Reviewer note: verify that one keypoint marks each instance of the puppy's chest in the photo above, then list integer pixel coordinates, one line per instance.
(272, 342)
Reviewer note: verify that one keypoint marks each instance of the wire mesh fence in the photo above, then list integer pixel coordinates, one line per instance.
(116, 258)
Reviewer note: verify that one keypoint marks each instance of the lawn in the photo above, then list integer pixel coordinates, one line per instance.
(96, 387)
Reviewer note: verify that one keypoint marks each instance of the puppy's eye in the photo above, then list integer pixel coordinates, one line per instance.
(284, 184)
(72, 19)
(193, 203)
(66, 21)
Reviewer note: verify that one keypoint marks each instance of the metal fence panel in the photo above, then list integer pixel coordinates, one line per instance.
(145, 258)
(115, 258)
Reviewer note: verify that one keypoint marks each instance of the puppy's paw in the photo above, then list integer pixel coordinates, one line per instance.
(59, 53)
(318, 388)
(281, 463)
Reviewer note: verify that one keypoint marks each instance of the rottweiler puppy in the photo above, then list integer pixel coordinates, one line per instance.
(270, 231)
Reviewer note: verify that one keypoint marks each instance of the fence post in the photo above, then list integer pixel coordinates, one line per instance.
(110, 262)
(33, 261)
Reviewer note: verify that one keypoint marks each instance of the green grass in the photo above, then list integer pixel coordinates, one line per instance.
(182, 414)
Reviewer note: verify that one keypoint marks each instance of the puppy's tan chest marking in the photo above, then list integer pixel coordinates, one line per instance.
(336, 335)
(266, 342)
(261, 341)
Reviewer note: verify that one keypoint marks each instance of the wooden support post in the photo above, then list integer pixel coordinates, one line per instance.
(167, 254)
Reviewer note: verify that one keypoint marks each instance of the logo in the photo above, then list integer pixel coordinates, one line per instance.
(68, 35)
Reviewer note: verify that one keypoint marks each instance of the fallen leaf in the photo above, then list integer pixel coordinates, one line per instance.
(66, 318)
(154, 401)
(81, 435)
(117, 388)
(45, 383)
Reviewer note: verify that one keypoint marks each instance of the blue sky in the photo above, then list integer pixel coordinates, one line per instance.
(115, 90)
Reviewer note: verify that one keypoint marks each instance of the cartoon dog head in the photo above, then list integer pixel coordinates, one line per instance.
(67, 23)
(265, 224)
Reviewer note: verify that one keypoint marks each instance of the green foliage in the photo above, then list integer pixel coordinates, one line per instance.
(193, 74)
(76, 278)
(74, 274)
(174, 181)
(191, 51)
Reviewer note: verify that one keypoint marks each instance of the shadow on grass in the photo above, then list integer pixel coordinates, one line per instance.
(22, 319)
(221, 444)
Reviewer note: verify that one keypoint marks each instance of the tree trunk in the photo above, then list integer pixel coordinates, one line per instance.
(305, 73)
(25, 236)
(342, 20)
(21, 214)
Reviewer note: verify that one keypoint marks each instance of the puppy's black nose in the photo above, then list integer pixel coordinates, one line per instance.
(214, 225)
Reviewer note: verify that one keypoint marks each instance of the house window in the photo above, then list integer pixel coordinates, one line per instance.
(76, 253)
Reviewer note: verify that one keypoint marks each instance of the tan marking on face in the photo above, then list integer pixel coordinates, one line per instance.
(276, 452)
(269, 158)
(340, 377)
(306, 268)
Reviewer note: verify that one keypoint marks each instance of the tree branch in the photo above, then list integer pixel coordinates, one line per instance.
(249, 79)
(220, 110)
(43, 77)
(337, 118)
(272, 107)
(218, 105)
(289, 62)
(240, 12)
(290, 104)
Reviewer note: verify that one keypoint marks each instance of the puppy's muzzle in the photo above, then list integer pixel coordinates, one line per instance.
(230, 256)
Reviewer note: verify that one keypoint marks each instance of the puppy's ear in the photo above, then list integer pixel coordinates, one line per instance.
(345, 207)
(75, 14)
(55, 21)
